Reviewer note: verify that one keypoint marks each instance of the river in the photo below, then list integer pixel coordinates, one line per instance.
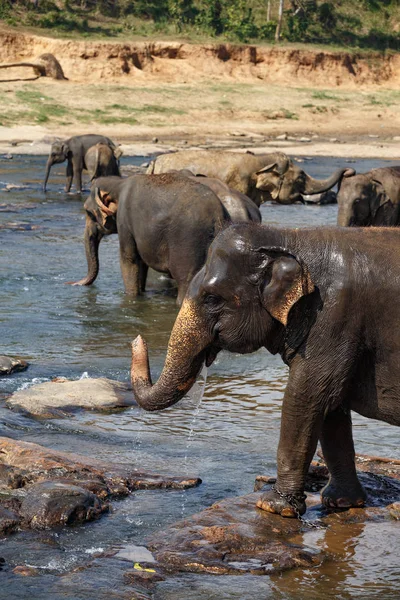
(227, 440)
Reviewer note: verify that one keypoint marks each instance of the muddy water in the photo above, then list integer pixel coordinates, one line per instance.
(226, 440)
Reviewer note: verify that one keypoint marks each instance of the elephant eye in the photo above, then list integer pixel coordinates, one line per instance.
(213, 300)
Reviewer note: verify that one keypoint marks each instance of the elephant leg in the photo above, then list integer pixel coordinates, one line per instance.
(69, 176)
(78, 167)
(130, 261)
(344, 489)
(143, 270)
(302, 416)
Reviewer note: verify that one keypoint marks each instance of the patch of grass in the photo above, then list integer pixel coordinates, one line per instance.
(308, 105)
(320, 95)
(287, 114)
(110, 120)
(31, 96)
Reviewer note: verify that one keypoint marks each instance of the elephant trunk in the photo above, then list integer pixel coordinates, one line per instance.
(92, 239)
(185, 357)
(345, 216)
(49, 164)
(317, 186)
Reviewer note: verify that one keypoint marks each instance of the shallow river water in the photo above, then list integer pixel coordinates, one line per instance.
(226, 440)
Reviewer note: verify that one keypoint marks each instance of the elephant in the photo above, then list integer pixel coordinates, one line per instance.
(370, 199)
(239, 206)
(102, 161)
(73, 150)
(261, 177)
(321, 298)
(165, 222)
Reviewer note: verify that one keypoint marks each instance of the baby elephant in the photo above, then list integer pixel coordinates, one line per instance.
(370, 199)
(165, 222)
(102, 161)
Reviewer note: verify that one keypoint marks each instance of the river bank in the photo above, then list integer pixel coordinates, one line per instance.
(36, 140)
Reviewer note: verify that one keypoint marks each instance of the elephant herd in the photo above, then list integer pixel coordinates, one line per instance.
(325, 299)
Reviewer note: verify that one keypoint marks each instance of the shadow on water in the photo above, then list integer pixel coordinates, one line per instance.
(226, 440)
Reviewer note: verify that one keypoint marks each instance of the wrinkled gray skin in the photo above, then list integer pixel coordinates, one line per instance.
(73, 150)
(239, 206)
(102, 161)
(261, 177)
(370, 199)
(326, 300)
(165, 222)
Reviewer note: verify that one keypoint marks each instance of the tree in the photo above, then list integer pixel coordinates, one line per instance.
(279, 24)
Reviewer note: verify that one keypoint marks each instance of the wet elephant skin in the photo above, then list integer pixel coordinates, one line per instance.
(326, 300)
(165, 222)
(370, 199)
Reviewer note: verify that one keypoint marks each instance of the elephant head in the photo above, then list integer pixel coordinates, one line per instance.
(101, 212)
(287, 183)
(371, 198)
(58, 154)
(239, 301)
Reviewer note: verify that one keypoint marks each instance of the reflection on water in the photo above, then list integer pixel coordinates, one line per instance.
(227, 440)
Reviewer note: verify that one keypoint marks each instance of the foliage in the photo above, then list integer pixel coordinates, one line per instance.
(355, 23)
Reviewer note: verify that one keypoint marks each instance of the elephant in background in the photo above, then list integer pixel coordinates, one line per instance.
(165, 222)
(239, 206)
(370, 199)
(73, 150)
(102, 161)
(326, 300)
(261, 177)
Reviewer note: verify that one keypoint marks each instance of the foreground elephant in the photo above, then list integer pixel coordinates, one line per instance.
(322, 299)
(371, 198)
(73, 150)
(261, 177)
(165, 222)
(102, 161)
(239, 206)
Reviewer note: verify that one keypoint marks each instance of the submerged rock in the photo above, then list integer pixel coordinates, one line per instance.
(232, 537)
(10, 365)
(41, 488)
(61, 397)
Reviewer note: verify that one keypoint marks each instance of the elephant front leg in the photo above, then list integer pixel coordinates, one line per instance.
(300, 427)
(78, 167)
(69, 176)
(344, 489)
(129, 261)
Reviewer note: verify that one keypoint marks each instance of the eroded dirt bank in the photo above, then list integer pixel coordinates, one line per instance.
(180, 62)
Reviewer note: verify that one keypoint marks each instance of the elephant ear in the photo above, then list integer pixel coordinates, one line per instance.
(381, 197)
(65, 148)
(108, 206)
(118, 152)
(286, 280)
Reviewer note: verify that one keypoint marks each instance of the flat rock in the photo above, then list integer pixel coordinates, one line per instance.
(232, 537)
(41, 488)
(62, 397)
(9, 365)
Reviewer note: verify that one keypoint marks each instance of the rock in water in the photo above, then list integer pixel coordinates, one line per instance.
(10, 365)
(41, 488)
(60, 398)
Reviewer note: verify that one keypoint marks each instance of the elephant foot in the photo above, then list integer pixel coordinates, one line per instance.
(287, 505)
(335, 496)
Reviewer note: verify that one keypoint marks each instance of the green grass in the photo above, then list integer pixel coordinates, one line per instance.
(321, 95)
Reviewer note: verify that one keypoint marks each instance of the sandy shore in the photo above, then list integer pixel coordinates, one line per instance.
(36, 140)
